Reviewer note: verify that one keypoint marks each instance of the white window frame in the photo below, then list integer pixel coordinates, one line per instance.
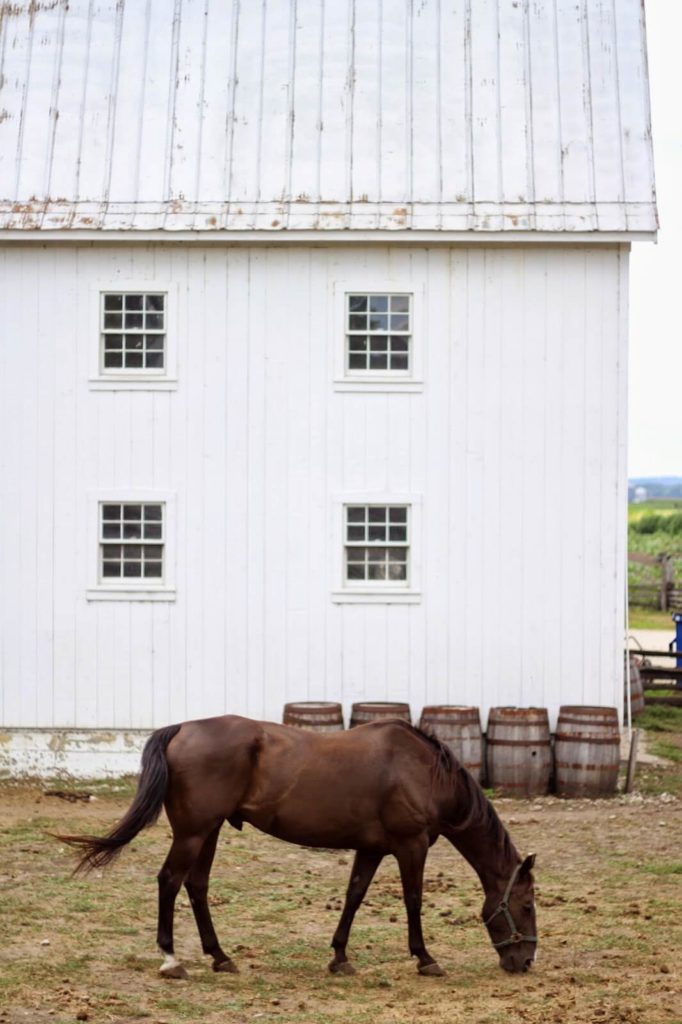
(131, 589)
(377, 591)
(133, 379)
(379, 380)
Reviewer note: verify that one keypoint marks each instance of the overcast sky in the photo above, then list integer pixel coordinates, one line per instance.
(655, 420)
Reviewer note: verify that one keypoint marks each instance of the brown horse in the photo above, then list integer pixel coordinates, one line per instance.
(382, 788)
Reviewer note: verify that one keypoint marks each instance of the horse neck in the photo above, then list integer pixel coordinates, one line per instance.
(478, 834)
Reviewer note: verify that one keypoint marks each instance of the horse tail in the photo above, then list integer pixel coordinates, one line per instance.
(98, 851)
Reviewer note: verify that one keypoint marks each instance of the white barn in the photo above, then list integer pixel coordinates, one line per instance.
(313, 358)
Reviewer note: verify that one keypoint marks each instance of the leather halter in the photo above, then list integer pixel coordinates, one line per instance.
(503, 908)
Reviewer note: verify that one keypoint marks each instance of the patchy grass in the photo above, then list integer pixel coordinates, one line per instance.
(649, 618)
(608, 876)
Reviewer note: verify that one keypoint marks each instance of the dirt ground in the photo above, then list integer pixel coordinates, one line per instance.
(609, 880)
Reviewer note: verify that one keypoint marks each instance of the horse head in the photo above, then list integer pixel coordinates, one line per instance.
(511, 920)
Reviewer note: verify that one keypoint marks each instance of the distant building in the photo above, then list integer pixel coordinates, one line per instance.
(314, 344)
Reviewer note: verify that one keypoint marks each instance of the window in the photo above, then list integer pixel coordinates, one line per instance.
(376, 544)
(378, 333)
(129, 546)
(133, 333)
(131, 542)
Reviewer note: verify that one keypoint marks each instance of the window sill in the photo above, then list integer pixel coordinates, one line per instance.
(122, 383)
(378, 383)
(130, 594)
(359, 596)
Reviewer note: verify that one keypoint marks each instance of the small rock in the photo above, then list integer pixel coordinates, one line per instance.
(665, 969)
(82, 1015)
(274, 1002)
(45, 942)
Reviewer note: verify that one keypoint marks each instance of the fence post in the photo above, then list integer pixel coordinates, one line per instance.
(666, 581)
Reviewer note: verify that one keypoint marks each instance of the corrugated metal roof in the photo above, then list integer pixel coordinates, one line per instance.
(475, 115)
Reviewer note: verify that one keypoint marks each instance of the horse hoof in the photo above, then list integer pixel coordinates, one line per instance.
(432, 970)
(341, 968)
(176, 971)
(225, 967)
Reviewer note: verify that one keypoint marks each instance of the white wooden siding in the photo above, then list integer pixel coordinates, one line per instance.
(515, 448)
(483, 115)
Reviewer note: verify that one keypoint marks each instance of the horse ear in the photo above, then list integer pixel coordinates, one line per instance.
(527, 865)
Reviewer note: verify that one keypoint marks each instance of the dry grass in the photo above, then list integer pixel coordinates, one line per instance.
(609, 882)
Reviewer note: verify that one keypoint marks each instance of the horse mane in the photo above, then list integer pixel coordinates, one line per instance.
(478, 811)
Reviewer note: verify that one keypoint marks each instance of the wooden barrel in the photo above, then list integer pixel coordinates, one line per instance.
(378, 710)
(636, 687)
(586, 751)
(460, 728)
(316, 715)
(519, 752)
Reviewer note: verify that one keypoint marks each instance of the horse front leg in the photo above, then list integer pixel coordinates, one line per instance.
(196, 885)
(364, 868)
(411, 859)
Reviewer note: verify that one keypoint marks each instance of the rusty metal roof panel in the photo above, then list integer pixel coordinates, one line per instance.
(205, 115)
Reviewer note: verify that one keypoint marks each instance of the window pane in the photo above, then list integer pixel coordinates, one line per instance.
(134, 359)
(397, 533)
(377, 572)
(399, 322)
(132, 512)
(112, 341)
(397, 572)
(133, 320)
(132, 569)
(356, 533)
(400, 303)
(378, 361)
(132, 551)
(113, 321)
(132, 531)
(113, 302)
(111, 569)
(376, 554)
(155, 342)
(396, 514)
(133, 302)
(378, 344)
(357, 303)
(154, 321)
(398, 361)
(378, 323)
(355, 554)
(152, 512)
(376, 533)
(357, 362)
(357, 322)
(111, 531)
(357, 343)
(152, 569)
(154, 302)
(111, 551)
(133, 341)
(111, 512)
(355, 572)
(378, 303)
(400, 343)
(154, 360)
(356, 513)
(377, 514)
(152, 531)
(113, 360)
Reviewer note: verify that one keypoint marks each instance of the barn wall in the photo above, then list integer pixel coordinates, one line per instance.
(514, 448)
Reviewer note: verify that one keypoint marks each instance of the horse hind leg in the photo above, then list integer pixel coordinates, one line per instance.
(181, 856)
(196, 885)
(363, 871)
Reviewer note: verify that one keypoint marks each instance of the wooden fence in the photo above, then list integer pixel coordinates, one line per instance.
(659, 591)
